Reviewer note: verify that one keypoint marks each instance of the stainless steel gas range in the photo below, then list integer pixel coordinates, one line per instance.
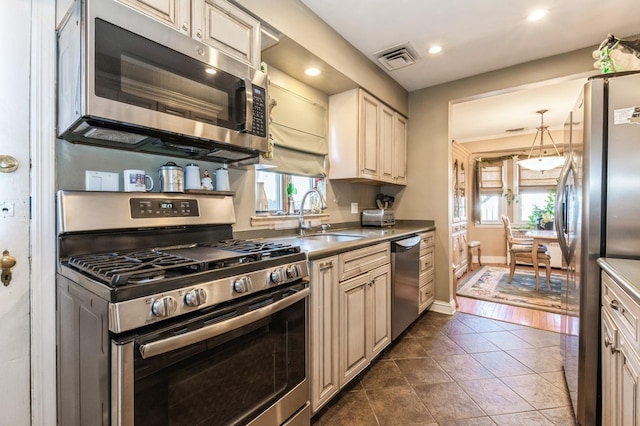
(164, 318)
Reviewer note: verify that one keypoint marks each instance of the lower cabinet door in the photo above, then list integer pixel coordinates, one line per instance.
(609, 346)
(628, 397)
(380, 312)
(324, 331)
(353, 327)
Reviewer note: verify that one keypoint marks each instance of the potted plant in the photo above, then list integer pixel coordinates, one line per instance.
(291, 191)
(543, 217)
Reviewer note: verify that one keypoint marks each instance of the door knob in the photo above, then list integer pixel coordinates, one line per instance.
(6, 263)
(8, 164)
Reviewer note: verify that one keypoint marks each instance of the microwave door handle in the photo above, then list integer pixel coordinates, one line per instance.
(169, 344)
(245, 106)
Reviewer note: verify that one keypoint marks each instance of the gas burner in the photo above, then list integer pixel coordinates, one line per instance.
(263, 248)
(147, 277)
(133, 267)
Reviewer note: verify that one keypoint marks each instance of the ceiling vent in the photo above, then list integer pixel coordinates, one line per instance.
(397, 57)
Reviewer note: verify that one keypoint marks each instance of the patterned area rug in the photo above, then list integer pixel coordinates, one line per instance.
(490, 283)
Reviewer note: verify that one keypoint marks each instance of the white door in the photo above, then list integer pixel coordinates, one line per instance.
(14, 211)
(27, 303)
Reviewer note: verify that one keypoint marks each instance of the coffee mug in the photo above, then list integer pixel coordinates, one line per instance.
(137, 181)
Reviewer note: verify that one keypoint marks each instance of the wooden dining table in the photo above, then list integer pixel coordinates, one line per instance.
(540, 237)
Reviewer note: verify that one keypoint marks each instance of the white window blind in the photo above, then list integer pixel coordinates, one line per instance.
(491, 177)
(298, 131)
(530, 179)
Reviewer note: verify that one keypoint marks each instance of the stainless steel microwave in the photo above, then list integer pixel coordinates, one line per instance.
(126, 81)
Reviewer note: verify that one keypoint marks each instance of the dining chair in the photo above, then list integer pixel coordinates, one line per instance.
(521, 250)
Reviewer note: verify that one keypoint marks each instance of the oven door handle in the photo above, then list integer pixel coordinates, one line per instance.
(160, 347)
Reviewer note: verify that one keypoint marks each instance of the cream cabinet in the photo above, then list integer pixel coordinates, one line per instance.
(368, 139)
(400, 133)
(459, 192)
(350, 317)
(427, 270)
(324, 331)
(364, 309)
(174, 13)
(216, 23)
(620, 345)
(365, 320)
(609, 343)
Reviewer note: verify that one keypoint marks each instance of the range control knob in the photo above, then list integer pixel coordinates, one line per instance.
(195, 297)
(241, 285)
(277, 276)
(293, 272)
(164, 306)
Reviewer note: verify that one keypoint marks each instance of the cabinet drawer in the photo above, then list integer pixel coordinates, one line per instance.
(428, 239)
(425, 277)
(427, 295)
(623, 310)
(363, 260)
(427, 259)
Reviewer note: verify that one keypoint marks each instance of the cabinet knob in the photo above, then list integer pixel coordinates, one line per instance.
(614, 305)
(608, 343)
(185, 27)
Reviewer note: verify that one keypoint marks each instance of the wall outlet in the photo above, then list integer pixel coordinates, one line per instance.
(354, 208)
(101, 181)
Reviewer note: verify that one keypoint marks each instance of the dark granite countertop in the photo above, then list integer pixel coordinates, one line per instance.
(348, 236)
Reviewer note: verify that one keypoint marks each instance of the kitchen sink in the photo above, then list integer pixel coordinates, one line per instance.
(331, 237)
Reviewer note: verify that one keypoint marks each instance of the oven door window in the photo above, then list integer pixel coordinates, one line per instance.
(137, 71)
(229, 379)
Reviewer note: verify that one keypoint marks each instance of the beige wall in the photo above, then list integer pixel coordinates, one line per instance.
(429, 153)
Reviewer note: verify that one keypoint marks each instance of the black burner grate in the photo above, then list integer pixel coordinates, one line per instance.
(134, 267)
(264, 248)
(155, 265)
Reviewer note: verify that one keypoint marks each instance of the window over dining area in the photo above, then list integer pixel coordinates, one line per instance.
(501, 186)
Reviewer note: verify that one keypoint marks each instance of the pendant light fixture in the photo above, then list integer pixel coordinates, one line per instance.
(541, 162)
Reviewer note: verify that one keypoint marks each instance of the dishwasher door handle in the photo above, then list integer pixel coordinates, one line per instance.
(406, 244)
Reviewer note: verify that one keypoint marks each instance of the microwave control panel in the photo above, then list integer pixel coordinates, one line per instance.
(259, 125)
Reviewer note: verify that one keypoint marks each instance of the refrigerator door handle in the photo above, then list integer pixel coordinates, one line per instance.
(560, 206)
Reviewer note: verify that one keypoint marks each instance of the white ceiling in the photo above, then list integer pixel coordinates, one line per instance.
(477, 37)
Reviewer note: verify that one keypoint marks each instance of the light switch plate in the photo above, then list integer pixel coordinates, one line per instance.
(354, 208)
(101, 181)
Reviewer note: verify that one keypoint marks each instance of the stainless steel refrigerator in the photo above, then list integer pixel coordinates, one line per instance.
(597, 214)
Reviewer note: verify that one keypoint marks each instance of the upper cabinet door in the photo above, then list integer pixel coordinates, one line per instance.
(222, 26)
(386, 143)
(174, 13)
(400, 149)
(369, 141)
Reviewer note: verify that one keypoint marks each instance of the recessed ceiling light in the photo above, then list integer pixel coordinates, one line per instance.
(312, 72)
(210, 71)
(537, 15)
(435, 49)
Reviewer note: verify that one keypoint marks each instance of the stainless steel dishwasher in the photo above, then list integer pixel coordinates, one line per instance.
(405, 271)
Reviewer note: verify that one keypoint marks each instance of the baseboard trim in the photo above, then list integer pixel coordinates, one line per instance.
(442, 307)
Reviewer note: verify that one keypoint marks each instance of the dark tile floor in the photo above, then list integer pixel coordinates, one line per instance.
(459, 370)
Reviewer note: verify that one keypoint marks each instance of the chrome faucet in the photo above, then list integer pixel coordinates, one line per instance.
(301, 226)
